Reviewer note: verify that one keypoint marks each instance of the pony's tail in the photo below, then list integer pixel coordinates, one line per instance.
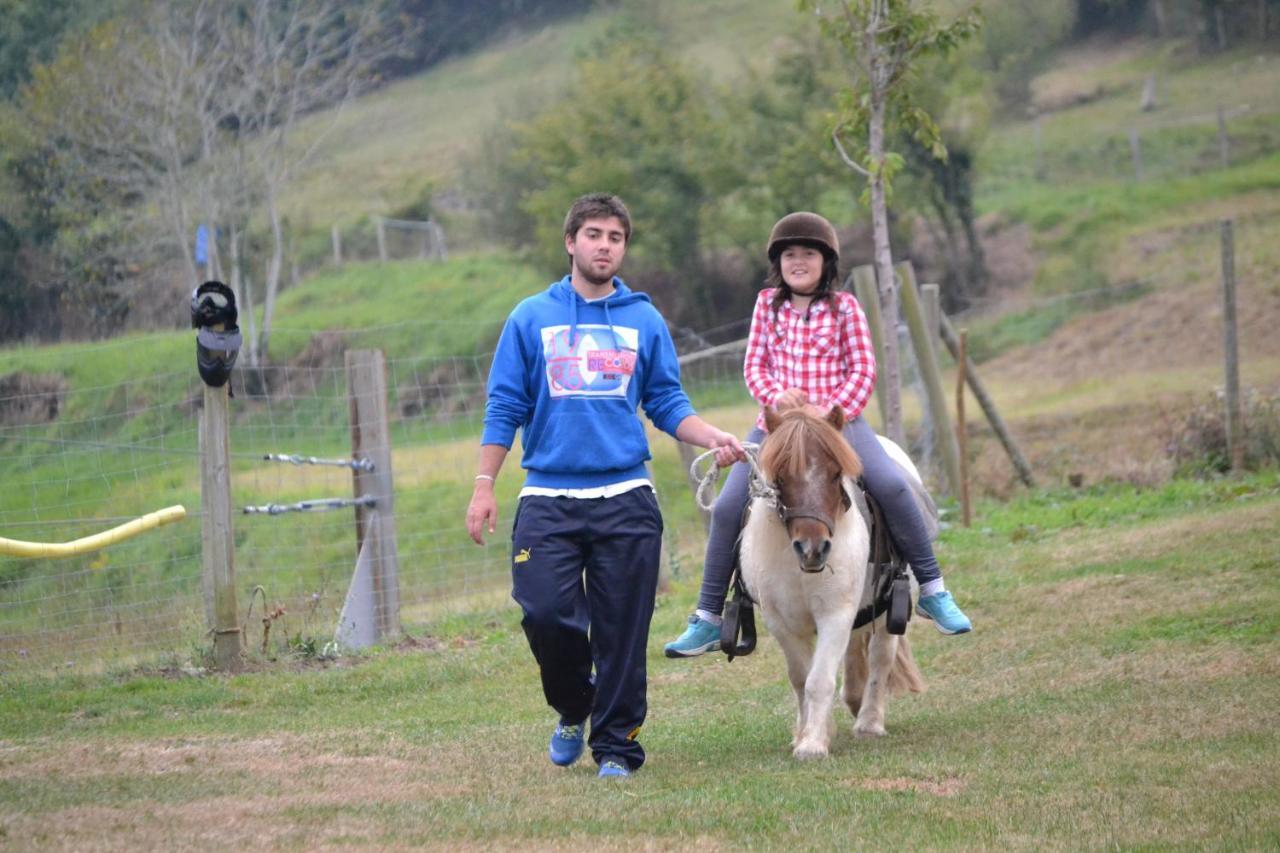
(906, 676)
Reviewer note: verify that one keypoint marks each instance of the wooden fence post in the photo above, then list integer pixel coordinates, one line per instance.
(336, 235)
(1135, 150)
(868, 295)
(217, 546)
(371, 440)
(931, 305)
(381, 225)
(1235, 449)
(952, 341)
(688, 453)
(1039, 164)
(961, 434)
(927, 361)
(1224, 141)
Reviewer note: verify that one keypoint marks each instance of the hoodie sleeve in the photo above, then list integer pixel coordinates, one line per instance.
(510, 400)
(663, 398)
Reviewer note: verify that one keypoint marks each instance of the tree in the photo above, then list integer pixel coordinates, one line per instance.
(885, 39)
(634, 121)
(188, 113)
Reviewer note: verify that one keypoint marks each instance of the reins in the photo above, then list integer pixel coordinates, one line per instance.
(758, 487)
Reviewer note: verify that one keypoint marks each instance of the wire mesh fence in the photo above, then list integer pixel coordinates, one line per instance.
(81, 459)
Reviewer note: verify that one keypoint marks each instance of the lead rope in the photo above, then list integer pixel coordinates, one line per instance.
(758, 486)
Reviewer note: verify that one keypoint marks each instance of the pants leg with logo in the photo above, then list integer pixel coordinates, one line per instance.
(586, 580)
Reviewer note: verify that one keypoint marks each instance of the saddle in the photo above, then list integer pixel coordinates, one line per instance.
(889, 576)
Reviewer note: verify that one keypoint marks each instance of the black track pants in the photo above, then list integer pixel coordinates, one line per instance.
(585, 572)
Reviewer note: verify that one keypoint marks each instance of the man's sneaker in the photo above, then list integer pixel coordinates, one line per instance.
(566, 744)
(941, 608)
(613, 767)
(701, 636)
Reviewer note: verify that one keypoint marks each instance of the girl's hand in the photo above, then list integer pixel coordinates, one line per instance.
(790, 399)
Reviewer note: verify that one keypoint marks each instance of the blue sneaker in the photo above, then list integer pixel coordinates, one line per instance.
(941, 608)
(566, 744)
(613, 767)
(701, 636)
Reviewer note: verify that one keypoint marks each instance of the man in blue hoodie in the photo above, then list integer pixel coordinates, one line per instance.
(573, 365)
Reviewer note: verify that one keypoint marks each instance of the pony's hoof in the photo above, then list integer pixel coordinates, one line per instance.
(869, 730)
(810, 752)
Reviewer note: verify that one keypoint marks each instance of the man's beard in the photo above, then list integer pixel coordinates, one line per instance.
(589, 274)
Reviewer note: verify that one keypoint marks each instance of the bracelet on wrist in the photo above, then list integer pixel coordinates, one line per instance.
(488, 477)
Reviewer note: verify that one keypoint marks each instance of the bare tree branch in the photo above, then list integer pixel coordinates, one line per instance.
(848, 161)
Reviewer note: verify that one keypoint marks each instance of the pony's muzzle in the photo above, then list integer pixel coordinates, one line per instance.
(812, 553)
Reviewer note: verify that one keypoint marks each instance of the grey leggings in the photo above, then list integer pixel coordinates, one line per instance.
(883, 478)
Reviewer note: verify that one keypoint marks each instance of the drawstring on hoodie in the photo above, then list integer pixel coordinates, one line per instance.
(574, 297)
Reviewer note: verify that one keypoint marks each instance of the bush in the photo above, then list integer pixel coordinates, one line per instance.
(1198, 447)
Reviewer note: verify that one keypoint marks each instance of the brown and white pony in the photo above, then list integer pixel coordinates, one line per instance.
(804, 558)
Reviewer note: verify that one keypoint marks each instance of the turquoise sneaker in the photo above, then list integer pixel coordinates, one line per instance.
(701, 636)
(613, 767)
(941, 608)
(566, 744)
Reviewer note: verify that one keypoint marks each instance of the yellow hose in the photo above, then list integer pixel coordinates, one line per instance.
(150, 521)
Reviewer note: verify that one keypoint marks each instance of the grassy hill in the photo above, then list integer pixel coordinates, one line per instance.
(390, 146)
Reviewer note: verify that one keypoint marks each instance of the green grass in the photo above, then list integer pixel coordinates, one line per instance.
(1120, 690)
(387, 150)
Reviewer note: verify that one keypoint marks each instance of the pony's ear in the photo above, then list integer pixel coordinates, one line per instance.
(835, 417)
(771, 419)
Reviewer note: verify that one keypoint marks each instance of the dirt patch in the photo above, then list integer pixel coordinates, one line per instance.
(947, 787)
(1080, 75)
(27, 399)
(1172, 328)
(1006, 247)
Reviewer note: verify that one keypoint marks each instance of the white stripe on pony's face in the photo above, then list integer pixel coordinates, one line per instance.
(813, 507)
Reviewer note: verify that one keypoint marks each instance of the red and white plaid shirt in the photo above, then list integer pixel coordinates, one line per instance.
(826, 353)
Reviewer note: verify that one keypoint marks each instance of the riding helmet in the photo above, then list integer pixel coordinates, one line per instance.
(807, 228)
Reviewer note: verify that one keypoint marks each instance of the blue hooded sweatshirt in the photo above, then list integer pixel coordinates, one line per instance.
(571, 374)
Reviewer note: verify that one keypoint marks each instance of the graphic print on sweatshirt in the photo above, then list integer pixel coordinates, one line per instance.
(599, 363)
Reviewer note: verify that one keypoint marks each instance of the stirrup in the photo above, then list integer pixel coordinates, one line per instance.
(738, 626)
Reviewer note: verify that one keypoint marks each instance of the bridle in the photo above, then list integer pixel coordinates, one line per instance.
(760, 486)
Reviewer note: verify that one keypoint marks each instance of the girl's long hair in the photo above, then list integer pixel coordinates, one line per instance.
(826, 288)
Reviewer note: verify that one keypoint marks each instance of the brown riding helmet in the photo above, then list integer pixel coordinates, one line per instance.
(807, 228)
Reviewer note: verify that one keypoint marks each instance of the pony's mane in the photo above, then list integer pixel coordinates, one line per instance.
(797, 438)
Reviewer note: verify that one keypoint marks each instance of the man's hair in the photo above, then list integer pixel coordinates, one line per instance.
(597, 206)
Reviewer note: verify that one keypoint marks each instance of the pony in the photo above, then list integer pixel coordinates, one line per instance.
(804, 558)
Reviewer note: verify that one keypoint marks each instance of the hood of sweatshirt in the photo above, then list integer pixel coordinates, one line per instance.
(562, 291)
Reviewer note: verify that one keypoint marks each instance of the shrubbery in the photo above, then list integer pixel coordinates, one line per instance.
(1198, 446)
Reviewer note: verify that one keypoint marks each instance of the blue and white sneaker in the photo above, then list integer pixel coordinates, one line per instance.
(700, 637)
(566, 744)
(946, 616)
(613, 767)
